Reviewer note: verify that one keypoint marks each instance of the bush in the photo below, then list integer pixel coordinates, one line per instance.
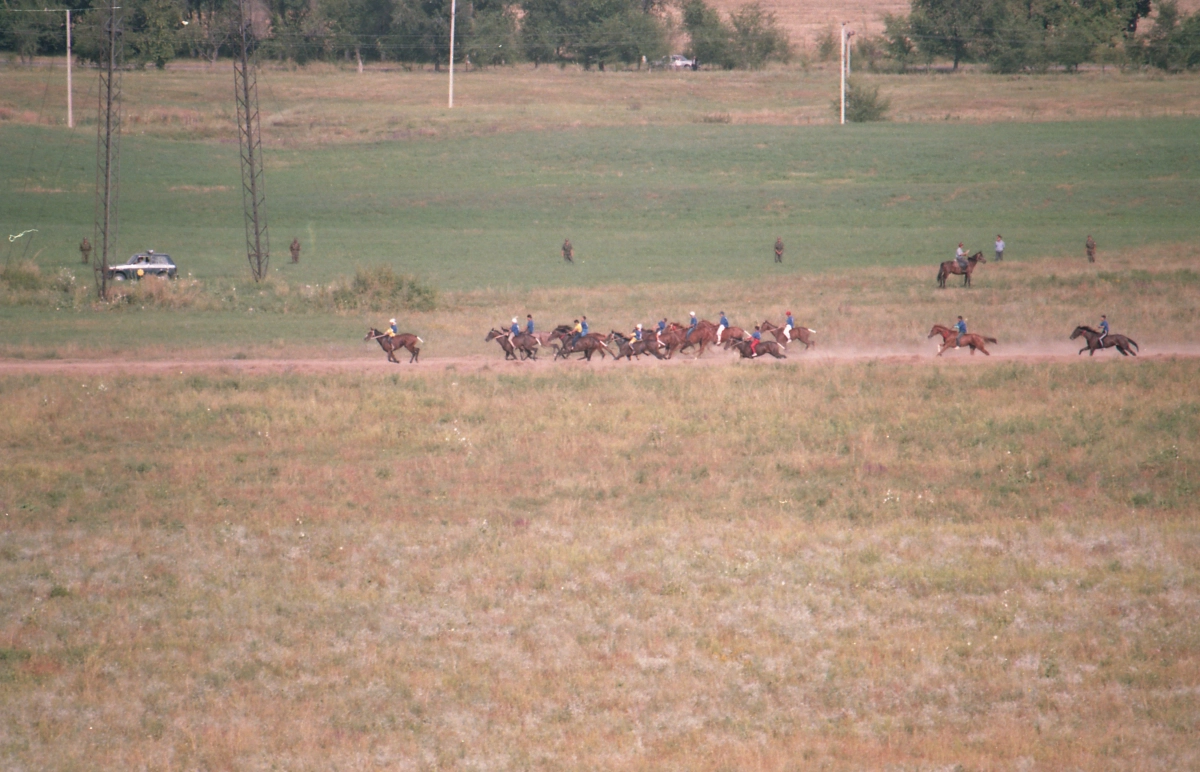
(22, 276)
(379, 288)
(863, 103)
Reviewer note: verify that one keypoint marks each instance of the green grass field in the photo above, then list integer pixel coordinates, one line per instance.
(847, 560)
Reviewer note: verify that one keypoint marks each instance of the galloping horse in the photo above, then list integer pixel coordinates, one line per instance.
(763, 347)
(390, 344)
(586, 345)
(1122, 343)
(629, 348)
(802, 334)
(970, 339)
(951, 267)
(524, 343)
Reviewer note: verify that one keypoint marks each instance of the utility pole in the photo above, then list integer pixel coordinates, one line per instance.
(70, 110)
(453, 14)
(108, 143)
(842, 69)
(254, 190)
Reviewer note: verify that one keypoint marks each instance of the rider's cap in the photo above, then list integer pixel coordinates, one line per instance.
(514, 320)
(789, 313)
(391, 321)
(639, 326)
(693, 313)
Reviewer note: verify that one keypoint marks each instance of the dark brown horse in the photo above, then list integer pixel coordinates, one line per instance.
(970, 339)
(629, 348)
(1121, 343)
(391, 343)
(802, 334)
(522, 346)
(952, 267)
(764, 347)
(587, 345)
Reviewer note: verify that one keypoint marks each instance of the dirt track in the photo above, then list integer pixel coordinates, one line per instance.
(377, 363)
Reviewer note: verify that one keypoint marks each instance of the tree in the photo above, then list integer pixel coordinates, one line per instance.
(152, 30)
(492, 38)
(757, 37)
(712, 39)
(948, 27)
(897, 40)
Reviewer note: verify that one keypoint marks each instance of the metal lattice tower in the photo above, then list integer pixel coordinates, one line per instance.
(108, 144)
(254, 191)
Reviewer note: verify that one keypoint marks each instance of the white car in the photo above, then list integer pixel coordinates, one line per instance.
(674, 62)
(148, 263)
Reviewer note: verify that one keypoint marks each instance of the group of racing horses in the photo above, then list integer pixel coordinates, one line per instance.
(675, 338)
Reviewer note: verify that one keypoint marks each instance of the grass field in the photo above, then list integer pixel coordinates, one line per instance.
(842, 561)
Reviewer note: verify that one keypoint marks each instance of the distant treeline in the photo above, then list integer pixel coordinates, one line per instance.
(1021, 35)
(591, 33)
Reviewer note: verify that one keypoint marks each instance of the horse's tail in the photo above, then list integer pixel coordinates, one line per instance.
(420, 339)
(1133, 343)
(986, 339)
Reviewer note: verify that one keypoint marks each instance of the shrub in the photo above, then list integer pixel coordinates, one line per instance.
(380, 288)
(863, 103)
(22, 276)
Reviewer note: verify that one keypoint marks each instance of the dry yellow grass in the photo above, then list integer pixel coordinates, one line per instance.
(847, 566)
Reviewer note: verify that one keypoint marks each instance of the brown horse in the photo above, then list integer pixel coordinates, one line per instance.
(970, 339)
(522, 346)
(802, 334)
(763, 347)
(672, 339)
(391, 343)
(587, 345)
(629, 348)
(952, 267)
(1122, 343)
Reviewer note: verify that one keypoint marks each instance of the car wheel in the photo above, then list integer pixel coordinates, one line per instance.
(119, 277)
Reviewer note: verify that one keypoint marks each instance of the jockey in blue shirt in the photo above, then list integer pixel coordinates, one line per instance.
(788, 326)
(583, 327)
(755, 338)
(662, 327)
(1103, 327)
(637, 333)
(529, 324)
(691, 326)
(722, 324)
(392, 331)
(961, 326)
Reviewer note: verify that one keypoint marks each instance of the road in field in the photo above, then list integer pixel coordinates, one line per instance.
(1023, 353)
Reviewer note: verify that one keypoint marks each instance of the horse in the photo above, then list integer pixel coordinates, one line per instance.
(763, 347)
(704, 334)
(802, 334)
(1122, 343)
(951, 267)
(969, 339)
(524, 343)
(391, 343)
(629, 348)
(586, 345)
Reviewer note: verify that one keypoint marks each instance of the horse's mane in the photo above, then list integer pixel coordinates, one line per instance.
(1085, 328)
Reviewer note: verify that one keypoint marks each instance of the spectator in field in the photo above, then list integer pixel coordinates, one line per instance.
(295, 250)
(1091, 249)
(1103, 328)
(778, 249)
(999, 248)
(961, 256)
(961, 326)
(568, 251)
(85, 250)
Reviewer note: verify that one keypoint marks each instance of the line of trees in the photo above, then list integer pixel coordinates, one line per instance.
(1024, 35)
(591, 33)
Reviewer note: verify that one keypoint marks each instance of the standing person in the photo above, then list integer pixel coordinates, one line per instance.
(722, 325)
(999, 248)
(691, 326)
(85, 250)
(1103, 328)
(1091, 249)
(779, 249)
(568, 251)
(961, 326)
(529, 324)
(960, 256)
(295, 250)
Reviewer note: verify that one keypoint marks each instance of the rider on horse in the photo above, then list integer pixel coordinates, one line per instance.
(960, 256)
(529, 324)
(662, 327)
(392, 331)
(1103, 327)
(788, 326)
(755, 337)
(691, 326)
(637, 333)
(961, 326)
(722, 325)
(514, 330)
(578, 333)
